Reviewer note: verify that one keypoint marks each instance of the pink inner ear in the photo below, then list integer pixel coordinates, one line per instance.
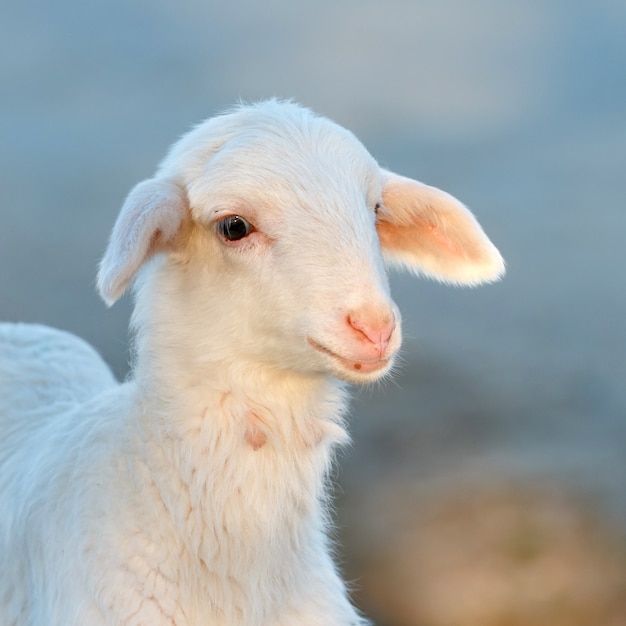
(422, 233)
(431, 232)
(420, 216)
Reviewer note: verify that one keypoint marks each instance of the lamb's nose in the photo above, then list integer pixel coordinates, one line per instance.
(377, 329)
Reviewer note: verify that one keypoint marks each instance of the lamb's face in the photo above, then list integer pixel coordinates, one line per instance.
(286, 221)
(271, 225)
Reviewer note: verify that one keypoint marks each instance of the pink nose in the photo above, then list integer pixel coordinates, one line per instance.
(377, 330)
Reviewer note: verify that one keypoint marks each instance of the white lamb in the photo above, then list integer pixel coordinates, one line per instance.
(195, 493)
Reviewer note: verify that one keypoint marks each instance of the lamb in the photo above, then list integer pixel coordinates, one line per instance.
(195, 493)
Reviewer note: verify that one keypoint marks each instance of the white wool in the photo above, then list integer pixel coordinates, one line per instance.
(196, 493)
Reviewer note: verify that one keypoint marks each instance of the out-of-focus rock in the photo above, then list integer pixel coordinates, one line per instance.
(484, 553)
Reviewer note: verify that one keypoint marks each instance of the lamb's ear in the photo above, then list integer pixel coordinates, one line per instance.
(150, 218)
(430, 232)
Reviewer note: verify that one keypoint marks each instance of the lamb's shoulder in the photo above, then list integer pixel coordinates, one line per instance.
(53, 389)
(66, 441)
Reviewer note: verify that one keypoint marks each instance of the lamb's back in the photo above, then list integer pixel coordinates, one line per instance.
(43, 369)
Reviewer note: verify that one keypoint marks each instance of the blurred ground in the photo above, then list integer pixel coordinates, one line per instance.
(485, 484)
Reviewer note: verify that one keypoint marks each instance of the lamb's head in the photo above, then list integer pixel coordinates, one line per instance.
(270, 226)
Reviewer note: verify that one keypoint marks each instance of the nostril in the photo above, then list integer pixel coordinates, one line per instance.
(376, 331)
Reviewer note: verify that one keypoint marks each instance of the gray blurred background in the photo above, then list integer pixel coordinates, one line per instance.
(487, 482)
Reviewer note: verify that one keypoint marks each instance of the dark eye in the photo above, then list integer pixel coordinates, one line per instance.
(234, 228)
(376, 208)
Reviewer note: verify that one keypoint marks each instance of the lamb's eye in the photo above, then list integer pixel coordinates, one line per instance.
(234, 228)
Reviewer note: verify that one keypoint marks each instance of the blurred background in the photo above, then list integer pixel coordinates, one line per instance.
(486, 485)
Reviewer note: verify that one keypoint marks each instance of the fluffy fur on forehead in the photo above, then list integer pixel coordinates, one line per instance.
(269, 143)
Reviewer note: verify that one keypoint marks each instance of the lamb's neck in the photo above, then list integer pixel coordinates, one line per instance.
(273, 424)
(244, 443)
(281, 404)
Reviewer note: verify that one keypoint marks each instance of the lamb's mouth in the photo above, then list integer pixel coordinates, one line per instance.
(352, 365)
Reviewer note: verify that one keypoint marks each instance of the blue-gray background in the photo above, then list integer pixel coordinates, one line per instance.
(517, 107)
